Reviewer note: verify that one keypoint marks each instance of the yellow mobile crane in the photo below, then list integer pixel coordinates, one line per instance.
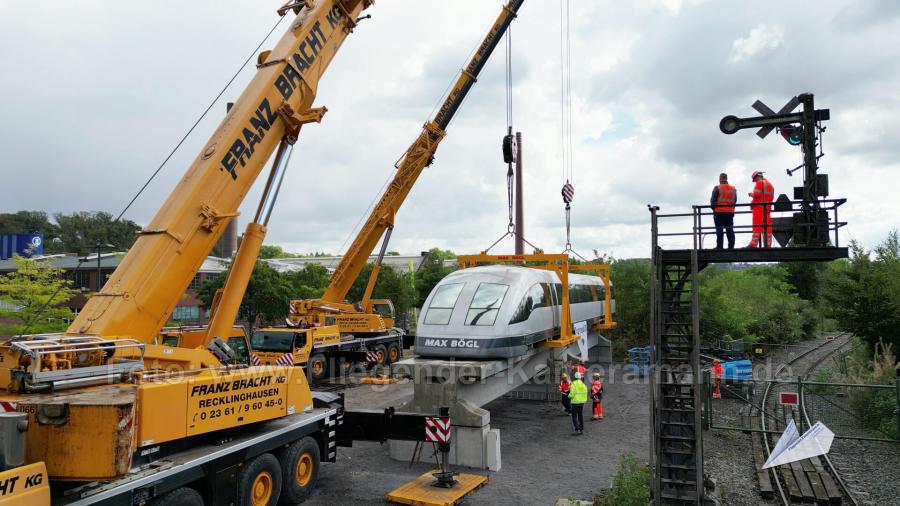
(102, 414)
(365, 331)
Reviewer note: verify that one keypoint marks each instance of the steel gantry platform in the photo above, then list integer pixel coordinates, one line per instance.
(677, 441)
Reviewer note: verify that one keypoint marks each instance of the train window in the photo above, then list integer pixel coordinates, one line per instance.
(558, 289)
(442, 304)
(537, 296)
(486, 304)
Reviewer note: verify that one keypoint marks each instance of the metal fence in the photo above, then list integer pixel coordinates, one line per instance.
(851, 411)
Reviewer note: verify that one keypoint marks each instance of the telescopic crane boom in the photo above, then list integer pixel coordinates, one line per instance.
(140, 295)
(418, 156)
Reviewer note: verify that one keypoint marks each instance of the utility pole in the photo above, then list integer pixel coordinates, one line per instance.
(520, 200)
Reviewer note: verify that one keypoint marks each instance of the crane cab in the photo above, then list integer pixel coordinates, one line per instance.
(383, 308)
(194, 337)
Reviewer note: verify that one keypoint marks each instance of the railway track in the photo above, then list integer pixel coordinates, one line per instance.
(810, 480)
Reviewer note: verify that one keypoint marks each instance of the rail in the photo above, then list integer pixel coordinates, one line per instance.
(785, 499)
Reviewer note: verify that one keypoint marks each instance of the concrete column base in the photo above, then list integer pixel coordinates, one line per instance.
(477, 447)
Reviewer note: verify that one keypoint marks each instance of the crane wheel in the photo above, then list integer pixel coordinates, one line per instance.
(184, 496)
(300, 465)
(318, 367)
(382, 354)
(259, 482)
(393, 353)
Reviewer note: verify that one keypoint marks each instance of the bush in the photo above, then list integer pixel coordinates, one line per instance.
(875, 409)
(631, 484)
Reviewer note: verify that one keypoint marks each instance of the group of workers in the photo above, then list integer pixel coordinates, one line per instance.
(574, 395)
(723, 200)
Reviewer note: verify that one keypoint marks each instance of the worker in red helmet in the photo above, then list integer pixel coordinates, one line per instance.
(762, 196)
(717, 372)
(597, 396)
(578, 368)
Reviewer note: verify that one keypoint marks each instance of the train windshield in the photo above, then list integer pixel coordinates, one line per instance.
(442, 304)
(486, 304)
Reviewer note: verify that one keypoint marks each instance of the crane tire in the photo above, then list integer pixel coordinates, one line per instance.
(259, 482)
(300, 467)
(394, 353)
(184, 496)
(318, 368)
(381, 351)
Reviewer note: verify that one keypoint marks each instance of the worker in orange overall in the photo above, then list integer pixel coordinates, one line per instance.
(717, 372)
(578, 368)
(597, 396)
(763, 195)
(563, 389)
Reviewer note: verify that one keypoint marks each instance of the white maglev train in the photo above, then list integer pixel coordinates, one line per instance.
(501, 311)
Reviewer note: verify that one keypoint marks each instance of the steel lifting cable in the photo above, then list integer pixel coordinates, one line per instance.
(510, 138)
(160, 167)
(565, 65)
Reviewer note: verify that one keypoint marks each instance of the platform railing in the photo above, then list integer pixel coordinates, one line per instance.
(783, 225)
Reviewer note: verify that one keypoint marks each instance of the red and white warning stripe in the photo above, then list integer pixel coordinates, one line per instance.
(7, 407)
(286, 360)
(254, 359)
(437, 429)
(372, 356)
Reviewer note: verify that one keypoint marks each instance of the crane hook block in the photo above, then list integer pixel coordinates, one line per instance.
(510, 148)
(568, 193)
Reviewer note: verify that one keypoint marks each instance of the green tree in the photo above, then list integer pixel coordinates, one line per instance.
(271, 251)
(266, 299)
(391, 285)
(756, 304)
(32, 297)
(309, 282)
(863, 294)
(631, 289)
(431, 272)
(80, 232)
(27, 222)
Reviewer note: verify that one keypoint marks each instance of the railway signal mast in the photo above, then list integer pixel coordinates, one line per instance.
(810, 226)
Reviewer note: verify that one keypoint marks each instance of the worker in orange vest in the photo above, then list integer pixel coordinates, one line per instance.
(724, 197)
(597, 396)
(763, 194)
(563, 389)
(717, 372)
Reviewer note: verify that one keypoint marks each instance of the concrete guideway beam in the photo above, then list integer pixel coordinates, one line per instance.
(467, 385)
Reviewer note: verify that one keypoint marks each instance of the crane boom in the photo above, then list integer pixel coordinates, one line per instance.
(418, 156)
(142, 292)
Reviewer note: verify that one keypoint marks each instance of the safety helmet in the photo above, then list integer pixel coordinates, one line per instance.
(596, 374)
(756, 173)
(716, 361)
(564, 376)
(578, 375)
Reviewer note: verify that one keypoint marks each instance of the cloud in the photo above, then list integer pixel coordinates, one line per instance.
(93, 112)
(762, 39)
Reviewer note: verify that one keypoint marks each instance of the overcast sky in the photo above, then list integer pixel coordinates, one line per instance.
(95, 94)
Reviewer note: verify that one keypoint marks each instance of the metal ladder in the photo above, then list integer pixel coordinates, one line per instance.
(677, 467)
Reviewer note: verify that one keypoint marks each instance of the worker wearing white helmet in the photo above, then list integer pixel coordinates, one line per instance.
(578, 394)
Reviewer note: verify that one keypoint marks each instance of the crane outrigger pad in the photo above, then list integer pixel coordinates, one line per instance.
(423, 492)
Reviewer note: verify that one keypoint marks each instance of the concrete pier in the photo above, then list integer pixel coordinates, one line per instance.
(465, 386)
